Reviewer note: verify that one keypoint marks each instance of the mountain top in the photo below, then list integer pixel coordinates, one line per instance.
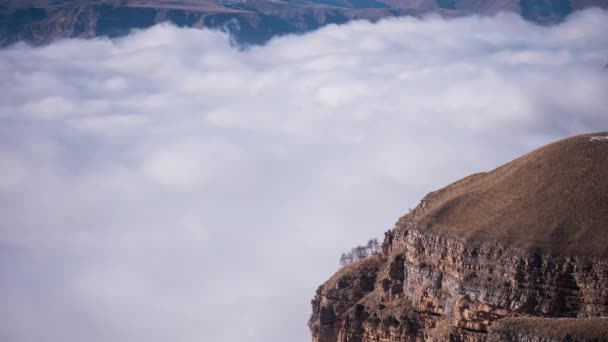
(515, 254)
(553, 199)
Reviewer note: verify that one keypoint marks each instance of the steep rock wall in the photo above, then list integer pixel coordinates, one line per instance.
(433, 287)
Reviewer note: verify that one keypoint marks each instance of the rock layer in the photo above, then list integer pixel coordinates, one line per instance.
(437, 279)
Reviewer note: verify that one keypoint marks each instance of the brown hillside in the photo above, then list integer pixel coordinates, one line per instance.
(554, 199)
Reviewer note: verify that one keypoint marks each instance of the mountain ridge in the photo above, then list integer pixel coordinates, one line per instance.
(248, 22)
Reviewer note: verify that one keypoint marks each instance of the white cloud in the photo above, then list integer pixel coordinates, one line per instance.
(166, 186)
(53, 107)
(188, 165)
(13, 170)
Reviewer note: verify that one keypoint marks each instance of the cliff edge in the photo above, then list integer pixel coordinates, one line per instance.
(519, 253)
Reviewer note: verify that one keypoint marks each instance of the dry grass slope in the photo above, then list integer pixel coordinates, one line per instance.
(554, 199)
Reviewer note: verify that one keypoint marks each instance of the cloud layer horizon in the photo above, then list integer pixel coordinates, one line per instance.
(166, 186)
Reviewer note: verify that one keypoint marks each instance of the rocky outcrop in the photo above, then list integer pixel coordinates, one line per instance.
(436, 280)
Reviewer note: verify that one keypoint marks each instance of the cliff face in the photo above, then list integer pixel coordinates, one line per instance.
(445, 274)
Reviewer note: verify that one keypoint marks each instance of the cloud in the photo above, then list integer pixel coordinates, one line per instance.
(166, 186)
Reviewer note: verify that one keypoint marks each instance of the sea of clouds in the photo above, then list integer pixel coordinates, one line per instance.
(167, 186)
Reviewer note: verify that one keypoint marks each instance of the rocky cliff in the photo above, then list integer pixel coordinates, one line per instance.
(248, 21)
(519, 253)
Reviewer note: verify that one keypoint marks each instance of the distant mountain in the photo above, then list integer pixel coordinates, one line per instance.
(248, 21)
(519, 253)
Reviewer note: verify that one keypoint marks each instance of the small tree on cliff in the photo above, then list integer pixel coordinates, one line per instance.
(360, 252)
(373, 247)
